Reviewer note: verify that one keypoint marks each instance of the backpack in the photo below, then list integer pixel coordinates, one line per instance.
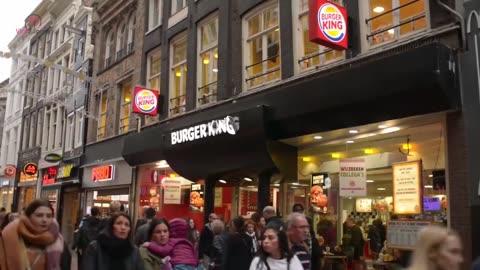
(87, 234)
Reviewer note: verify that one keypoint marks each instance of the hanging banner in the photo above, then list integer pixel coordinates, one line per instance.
(353, 178)
(196, 198)
(319, 192)
(407, 191)
(218, 197)
(172, 191)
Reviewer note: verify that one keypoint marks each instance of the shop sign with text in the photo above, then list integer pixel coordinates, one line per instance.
(103, 173)
(50, 176)
(53, 158)
(30, 169)
(145, 101)
(328, 24)
(228, 125)
(353, 178)
(172, 191)
(407, 191)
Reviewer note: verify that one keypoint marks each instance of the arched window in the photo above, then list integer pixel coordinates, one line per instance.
(109, 48)
(121, 40)
(131, 33)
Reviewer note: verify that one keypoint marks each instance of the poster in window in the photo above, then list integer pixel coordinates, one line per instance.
(353, 178)
(319, 192)
(363, 205)
(407, 192)
(196, 198)
(172, 191)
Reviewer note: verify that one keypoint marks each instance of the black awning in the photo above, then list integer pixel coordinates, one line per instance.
(219, 145)
(144, 147)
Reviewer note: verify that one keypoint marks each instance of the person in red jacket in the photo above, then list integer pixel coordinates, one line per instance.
(179, 252)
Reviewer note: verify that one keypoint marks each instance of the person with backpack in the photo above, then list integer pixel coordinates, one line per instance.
(88, 232)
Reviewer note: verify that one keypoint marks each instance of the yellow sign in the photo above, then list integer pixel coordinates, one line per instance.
(65, 171)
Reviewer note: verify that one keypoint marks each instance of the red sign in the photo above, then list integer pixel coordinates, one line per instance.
(102, 173)
(30, 169)
(50, 176)
(145, 101)
(10, 171)
(328, 24)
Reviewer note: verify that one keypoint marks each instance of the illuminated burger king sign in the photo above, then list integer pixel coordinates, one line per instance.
(328, 24)
(145, 101)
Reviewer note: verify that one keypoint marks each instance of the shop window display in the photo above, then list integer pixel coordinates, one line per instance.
(103, 198)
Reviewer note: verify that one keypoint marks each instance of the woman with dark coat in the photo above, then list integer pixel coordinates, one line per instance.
(237, 249)
(33, 241)
(113, 249)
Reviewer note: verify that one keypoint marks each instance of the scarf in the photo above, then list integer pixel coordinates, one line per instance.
(117, 250)
(19, 235)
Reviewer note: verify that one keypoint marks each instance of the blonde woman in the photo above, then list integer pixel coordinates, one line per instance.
(437, 248)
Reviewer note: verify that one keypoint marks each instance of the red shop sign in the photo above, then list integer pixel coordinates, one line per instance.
(30, 169)
(50, 176)
(102, 173)
(327, 24)
(145, 101)
(10, 171)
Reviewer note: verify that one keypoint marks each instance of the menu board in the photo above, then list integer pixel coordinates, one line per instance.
(403, 234)
(172, 191)
(196, 198)
(353, 178)
(319, 192)
(363, 205)
(407, 192)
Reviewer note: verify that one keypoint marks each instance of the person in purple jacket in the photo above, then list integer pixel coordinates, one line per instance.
(178, 251)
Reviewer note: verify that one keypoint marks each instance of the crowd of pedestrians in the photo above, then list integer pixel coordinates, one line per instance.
(32, 241)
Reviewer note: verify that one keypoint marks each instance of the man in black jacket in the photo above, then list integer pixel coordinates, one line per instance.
(88, 232)
(206, 240)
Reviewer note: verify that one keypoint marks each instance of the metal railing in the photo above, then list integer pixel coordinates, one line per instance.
(176, 104)
(130, 47)
(212, 93)
(108, 62)
(101, 132)
(124, 128)
(120, 54)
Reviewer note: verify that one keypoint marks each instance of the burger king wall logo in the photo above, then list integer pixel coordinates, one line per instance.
(328, 24)
(145, 101)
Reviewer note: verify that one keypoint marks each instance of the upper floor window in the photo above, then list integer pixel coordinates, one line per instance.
(310, 54)
(178, 75)
(153, 77)
(208, 61)
(126, 101)
(388, 20)
(69, 132)
(102, 101)
(131, 33)
(109, 48)
(79, 128)
(154, 14)
(121, 41)
(262, 49)
(178, 5)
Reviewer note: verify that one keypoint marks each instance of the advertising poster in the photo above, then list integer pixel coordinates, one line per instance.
(403, 234)
(363, 205)
(218, 197)
(353, 178)
(319, 192)
(172, 191)
(407, 192)
(196, 198)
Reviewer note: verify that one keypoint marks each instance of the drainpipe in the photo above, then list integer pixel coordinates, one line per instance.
(460, 18)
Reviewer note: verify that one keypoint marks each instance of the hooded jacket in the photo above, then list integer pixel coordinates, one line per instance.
(180, 250)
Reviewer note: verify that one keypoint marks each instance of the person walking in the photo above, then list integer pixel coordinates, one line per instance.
(88, 233)
(113, 250)
(141, 235)
(159, 233)
(33, 241)
(193, 233)
(437, 248)
(218, 246)
(251, 232)
(237, 253)
(206, 240)
(275, 253)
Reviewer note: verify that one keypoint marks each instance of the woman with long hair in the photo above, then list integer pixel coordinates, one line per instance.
(113, 249)
(33, 241)
(275, 253)
(193, 233)
(437, 248)
(158, 232)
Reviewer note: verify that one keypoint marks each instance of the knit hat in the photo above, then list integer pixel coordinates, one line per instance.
(178, 228)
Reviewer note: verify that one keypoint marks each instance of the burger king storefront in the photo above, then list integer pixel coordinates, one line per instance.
(250, 153)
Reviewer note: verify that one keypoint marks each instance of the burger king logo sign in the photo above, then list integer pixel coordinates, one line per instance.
(145, 101)
(328, 24)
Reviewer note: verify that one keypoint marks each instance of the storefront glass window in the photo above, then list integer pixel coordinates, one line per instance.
(104, 197)
(52, 196)
(263, 47)
(311, 54)
(26, 196)
(6, 197)
(395, 24)
(153, 78)
(178, 76)
(103, 99)
(208, 62)
(125, 107)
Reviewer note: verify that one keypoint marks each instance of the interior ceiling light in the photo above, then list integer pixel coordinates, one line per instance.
(222, 181)
(172, 175)
(378, 9)
(428, 186)
(362, 136)
(382, 126)
(353, 131)
(381, 188)
(162, 164)
(350, 141)
(277, 185)
(406, 146)
(215, 70)
(368, 151)
(317, 137)
(370, 181)
(296, 184)
(307, 159)
(430, 175)
(390, 130)
(391, 31)
(335, 155)
(247, 179)
(206, 61)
